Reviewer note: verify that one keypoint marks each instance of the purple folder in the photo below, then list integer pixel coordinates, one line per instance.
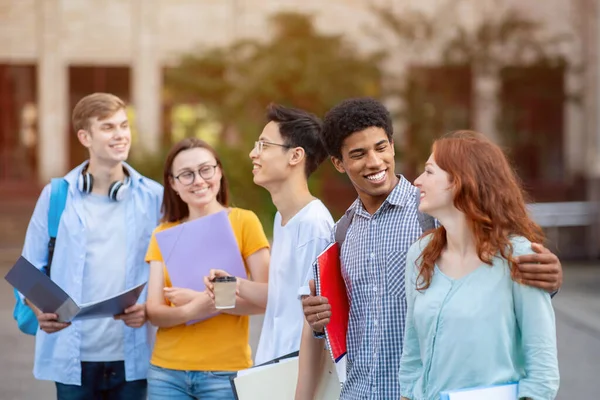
(190, 250)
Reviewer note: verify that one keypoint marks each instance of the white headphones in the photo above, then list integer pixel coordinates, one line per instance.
(116, 191)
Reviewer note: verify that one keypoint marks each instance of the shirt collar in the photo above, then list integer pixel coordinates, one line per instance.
(399, 196)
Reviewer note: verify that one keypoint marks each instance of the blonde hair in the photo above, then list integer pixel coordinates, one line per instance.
(95, 105)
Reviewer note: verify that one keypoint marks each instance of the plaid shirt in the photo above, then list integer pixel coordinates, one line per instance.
(373, 261)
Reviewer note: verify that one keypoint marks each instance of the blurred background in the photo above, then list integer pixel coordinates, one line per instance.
(524, 72)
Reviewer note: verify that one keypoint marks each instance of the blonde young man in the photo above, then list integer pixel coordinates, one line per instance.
(102, 238)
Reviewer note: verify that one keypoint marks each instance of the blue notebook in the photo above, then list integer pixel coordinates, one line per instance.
(46, 295)
(508, 391)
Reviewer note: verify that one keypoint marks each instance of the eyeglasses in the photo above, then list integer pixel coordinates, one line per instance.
(259, 146)
(188, 177)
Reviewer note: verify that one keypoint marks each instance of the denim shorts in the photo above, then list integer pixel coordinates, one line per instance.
(174, 384)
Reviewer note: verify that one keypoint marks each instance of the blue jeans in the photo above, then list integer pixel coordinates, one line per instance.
(103, 381)
(173, 384)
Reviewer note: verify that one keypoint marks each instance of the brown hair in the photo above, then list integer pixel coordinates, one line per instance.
(95, 105)
(487, 190)
(173, 208)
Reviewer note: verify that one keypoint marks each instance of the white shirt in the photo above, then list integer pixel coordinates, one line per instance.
(295, 247)
(103, 275)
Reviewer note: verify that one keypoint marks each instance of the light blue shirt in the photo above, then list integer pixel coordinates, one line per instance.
(482, 329)
(58, 355)
(103, 275)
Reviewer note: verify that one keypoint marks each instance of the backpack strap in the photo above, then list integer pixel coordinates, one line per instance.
(426, 221)
(58, 199)
(342, 226)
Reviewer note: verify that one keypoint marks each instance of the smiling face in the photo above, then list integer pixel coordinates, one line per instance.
(201, 191)
(271, 159)
(368, 160)
(437, 195)
(108, 139)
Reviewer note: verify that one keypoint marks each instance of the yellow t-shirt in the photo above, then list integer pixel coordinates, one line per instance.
(219, 343)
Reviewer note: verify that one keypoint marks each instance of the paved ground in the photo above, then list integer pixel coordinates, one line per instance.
(577, 314)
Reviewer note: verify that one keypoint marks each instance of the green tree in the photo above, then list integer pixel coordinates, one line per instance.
(431, 95)
(298, 66)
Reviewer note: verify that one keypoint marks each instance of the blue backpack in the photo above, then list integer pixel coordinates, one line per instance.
(25, 317)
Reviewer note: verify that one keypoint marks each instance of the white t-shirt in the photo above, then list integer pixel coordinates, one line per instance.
(295, 247)
(103, 275)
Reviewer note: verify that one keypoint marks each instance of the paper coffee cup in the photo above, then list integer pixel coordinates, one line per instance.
(224, 290)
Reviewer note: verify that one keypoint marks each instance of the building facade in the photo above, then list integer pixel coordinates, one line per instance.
(53, 52)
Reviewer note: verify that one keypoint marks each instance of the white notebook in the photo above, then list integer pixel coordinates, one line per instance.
(498, 392)
(277, 381)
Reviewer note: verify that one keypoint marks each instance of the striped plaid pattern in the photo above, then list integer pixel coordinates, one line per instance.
(373, 261)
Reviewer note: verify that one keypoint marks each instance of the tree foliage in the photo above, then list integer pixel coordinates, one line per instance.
(431, 95)
(296, 66)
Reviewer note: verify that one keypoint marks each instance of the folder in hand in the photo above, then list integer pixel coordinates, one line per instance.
(46, 295)
(329, 283)
(190, 250)
(277, 380)
(507, 391)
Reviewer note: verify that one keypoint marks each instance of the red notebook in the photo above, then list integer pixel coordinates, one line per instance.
(329, 283)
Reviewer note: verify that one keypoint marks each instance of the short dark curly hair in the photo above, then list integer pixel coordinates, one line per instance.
(351, 116)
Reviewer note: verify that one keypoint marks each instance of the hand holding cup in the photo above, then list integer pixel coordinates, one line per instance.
(222, 288)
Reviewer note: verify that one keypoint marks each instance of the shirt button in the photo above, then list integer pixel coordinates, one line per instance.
(375, 289)
(372, 255)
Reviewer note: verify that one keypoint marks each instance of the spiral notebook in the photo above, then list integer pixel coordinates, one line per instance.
(329, 283)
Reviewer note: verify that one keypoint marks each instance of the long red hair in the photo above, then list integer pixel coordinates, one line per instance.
(487, 190)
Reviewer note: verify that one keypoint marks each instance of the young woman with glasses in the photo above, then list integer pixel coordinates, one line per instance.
(196, 361)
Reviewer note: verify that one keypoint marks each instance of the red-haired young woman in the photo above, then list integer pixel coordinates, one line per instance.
(470, 322)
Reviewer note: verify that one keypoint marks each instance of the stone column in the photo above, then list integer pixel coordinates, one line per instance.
(146, 75)
(594, 157)
(53, 126)
(486, 103)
